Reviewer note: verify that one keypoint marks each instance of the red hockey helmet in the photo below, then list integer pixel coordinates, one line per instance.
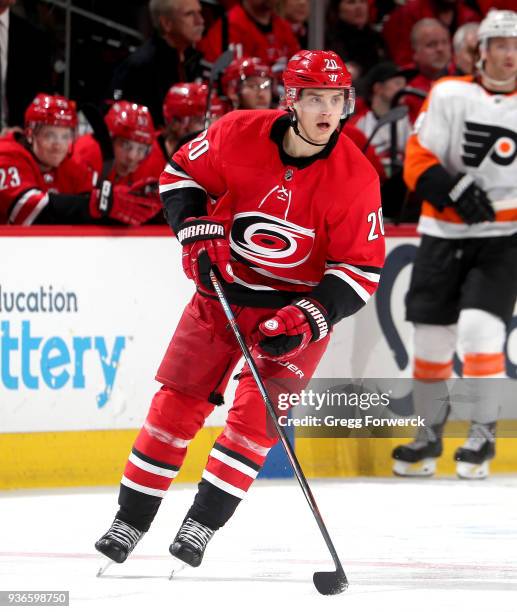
(130, 121)
(241, 69)
(184, 100)
(47, 109)
(318, 70)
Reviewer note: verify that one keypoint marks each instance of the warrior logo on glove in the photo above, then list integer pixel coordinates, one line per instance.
(292, 328)
(204, 246)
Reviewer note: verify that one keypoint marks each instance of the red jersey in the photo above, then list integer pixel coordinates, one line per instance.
(87, 151)
(414, 103)
(277, 44)
(24, 188)
(295, 225)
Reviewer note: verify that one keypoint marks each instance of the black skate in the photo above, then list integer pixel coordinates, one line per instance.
(418, 458)
(472, 459)
(190, 542)
(119, 541)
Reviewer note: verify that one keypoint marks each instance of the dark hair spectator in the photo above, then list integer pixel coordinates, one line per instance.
(168, 57)
(383, 82)
(297, 14)
(398, 26)
(257, 30)
(351, 36)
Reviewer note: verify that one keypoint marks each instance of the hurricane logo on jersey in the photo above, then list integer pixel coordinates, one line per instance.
(482, 141)
(266, 240)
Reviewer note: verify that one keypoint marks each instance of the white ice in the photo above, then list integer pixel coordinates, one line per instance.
(438, 545)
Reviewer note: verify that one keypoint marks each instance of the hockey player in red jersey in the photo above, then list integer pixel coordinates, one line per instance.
(43, 184)
(462, 161)
(288, 211)
(247, 84)
(131, 130)
(184, 109)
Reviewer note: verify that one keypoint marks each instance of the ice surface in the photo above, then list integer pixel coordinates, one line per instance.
(436, 545)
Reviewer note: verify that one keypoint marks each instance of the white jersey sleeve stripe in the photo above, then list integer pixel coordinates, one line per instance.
(371, 276)
(362, 293)
(170, 170)
(181, 185)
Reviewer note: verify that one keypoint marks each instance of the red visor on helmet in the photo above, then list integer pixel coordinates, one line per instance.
(189, 100)
(241, 69)
(318, 70)
(130, 121)
(51, 110)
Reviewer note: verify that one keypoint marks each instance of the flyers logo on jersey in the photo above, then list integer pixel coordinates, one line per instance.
(268, 241)
(482, 141)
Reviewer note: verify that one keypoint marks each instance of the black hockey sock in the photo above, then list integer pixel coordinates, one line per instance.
(137, 509)
(212, 506)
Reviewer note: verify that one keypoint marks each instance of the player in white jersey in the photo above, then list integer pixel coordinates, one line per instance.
(462, 160)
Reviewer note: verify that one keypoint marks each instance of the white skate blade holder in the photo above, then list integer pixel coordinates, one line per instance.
(178, 567)
(472, 471)
(424, 468)
(101, 571)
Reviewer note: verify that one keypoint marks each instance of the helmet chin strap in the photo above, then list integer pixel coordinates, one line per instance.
(294, 125)
(489, 81)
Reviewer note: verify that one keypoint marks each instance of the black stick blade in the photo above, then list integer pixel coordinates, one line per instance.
(330, 583)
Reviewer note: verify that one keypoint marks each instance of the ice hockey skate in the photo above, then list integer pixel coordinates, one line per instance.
(118, 542)
(190, 542)
(418, 458)
(473, 458)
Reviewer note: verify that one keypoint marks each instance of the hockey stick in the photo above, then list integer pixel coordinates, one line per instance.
(392, 116)
(327, 583)
(218, 67)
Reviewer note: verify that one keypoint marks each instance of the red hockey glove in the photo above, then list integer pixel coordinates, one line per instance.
(292, 328)
(129, 205)
(204, 245)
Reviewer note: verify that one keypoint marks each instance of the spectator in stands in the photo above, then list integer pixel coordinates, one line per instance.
(350, 35)
(168, 57)
(247, 84)
(383, 83)
(464, 45)
(254, 26)
(396, 31)
(26, 69)
(43, 185)
(432, 55)
(297, 14)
